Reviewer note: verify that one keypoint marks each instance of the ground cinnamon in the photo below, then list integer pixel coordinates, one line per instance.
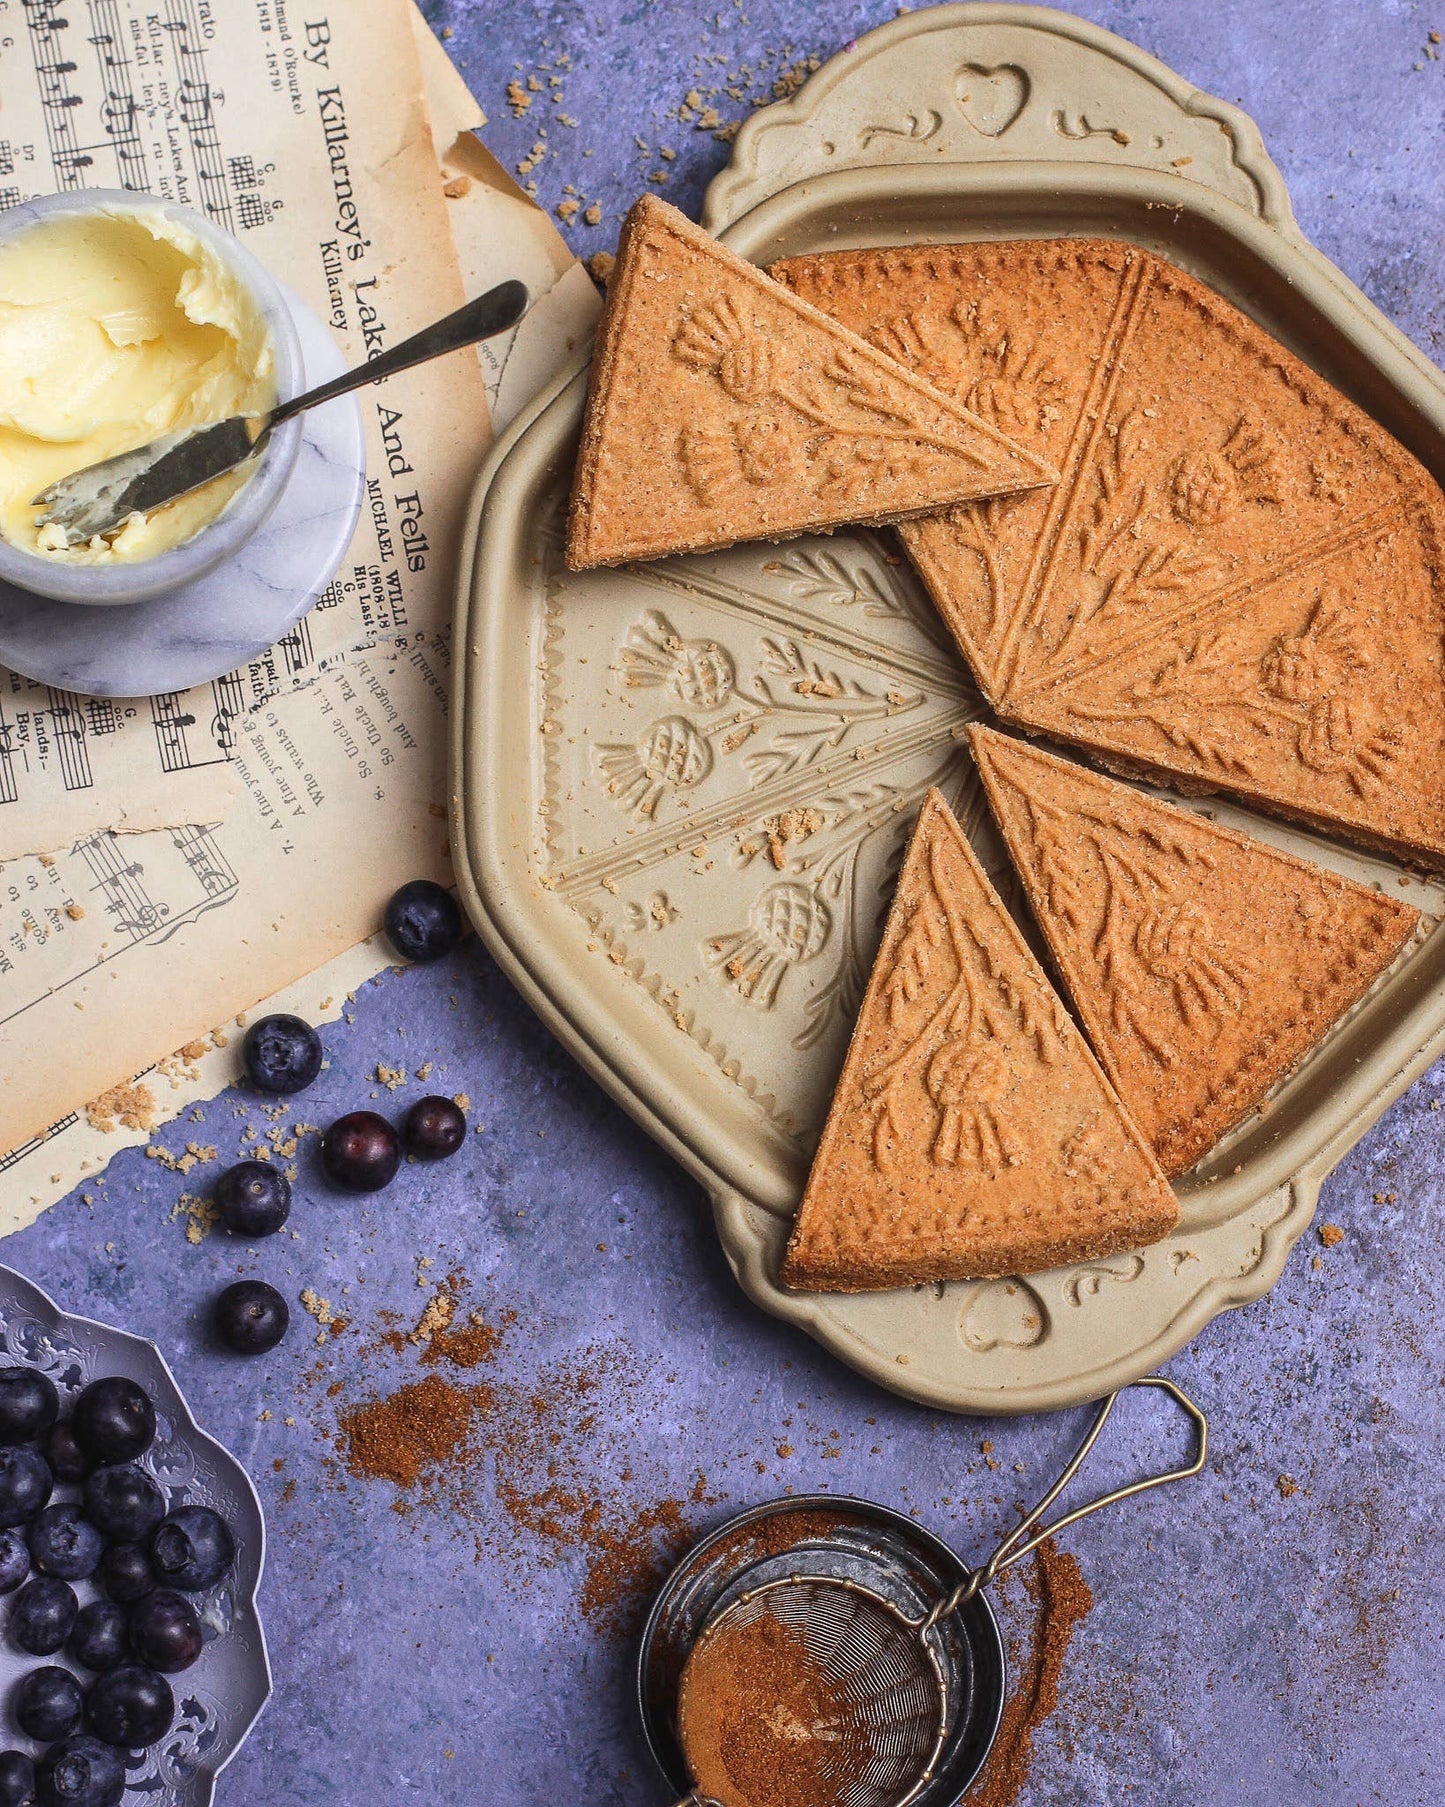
(1056, 1585)
(418, 1428)
(760, 1722)
(515, 1462)
(783, 1531)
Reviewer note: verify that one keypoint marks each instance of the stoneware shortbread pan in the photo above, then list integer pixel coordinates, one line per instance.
(673, 774)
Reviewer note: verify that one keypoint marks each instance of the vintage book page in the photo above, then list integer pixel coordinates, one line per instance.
(501, 232)
(312, 141)
(45, 1166)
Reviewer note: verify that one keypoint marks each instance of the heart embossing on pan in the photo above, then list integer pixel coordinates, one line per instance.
(991, 99)
(1003, 1314)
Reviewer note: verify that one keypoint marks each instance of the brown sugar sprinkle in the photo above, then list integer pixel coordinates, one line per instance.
(749, 1710)
(1331, 1234)
(1056, 1585)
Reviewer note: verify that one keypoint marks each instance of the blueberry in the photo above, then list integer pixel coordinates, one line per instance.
(17, 1779)
(25, 1485)
(126, 1573)
(29, 1404)
(47, 1703)
(64, 1543)
(434, 1128)
(131, 1707)
(42, 1615)
(101, 1638)
(253, 1198)
(250, 1317)
(361, 1152)
(123, 1502)
(68, 1461)
(165, 1632)
(81, 1772)
(423, 921)
(282, 1054)
(192, 1548)
(14, 1559)
(114, 1420)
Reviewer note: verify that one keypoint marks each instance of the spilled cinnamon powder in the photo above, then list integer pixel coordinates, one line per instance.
(417, 1430)
(518, 1464)
(1055, 1584)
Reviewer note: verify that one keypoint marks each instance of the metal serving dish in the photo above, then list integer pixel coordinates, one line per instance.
(219, 1699)
(618, 921)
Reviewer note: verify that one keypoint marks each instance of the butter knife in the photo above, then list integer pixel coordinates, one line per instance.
(101, 496)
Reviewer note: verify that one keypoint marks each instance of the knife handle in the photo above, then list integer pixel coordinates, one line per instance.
(492, 313)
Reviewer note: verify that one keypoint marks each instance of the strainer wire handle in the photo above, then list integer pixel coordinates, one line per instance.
(1018, 1544)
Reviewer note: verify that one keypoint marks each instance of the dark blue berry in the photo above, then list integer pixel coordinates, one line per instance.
(101, 1638)
(68, 1461)
(14, 1559)
(434, 1128)
(281, 1053)
(361, 1152)
(81, 1772)
(165, 1632)
(64, 1543)
(423, 921)
(114, 1420)
(123, 1502)
(251, 1317)
(126, 1573)
(42, 1615)
(17, 1780)
(25, 1485)
(130, 1708)
(192, 1548)
(29, 1404)
(253, 1198)
(47, 1703)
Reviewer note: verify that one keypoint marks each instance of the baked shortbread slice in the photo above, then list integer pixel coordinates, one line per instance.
(1238, 583)
(972, 1131)
(1204, 964)
(723, 408)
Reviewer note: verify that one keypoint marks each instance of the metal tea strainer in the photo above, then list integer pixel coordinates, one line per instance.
(838, 1693)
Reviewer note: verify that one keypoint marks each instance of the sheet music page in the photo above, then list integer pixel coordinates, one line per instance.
(296, 792)
(500, 233)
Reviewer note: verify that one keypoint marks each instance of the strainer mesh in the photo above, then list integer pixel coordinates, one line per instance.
(859, 1728)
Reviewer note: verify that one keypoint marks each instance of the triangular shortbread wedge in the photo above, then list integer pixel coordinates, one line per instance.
(972, 1132)
(1204, 964)
(1238, 581)
(723, 408)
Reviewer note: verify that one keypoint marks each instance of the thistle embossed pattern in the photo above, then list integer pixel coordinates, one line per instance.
(754, 755)
(1200, 594)
(220, 1698)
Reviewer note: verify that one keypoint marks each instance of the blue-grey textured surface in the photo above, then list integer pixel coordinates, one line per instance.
(1269, 1637)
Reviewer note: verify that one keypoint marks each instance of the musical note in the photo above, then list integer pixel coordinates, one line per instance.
(118, 113)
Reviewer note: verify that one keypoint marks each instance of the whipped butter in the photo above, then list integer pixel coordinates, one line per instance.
(117, 327)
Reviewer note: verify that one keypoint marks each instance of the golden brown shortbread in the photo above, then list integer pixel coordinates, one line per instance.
(1238, 583)
(1204, 964)
(723, 408)
(972, 1131)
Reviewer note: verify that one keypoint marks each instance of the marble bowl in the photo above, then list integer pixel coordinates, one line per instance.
(145, 579)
